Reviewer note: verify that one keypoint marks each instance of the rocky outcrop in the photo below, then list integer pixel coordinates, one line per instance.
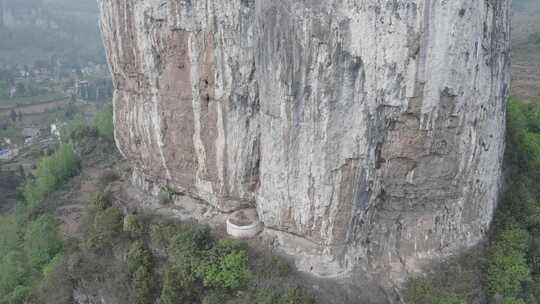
(368, 134)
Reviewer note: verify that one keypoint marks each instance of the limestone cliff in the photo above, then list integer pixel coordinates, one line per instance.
(368, 133)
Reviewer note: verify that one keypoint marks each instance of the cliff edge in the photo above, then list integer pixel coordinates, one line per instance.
(369, 135)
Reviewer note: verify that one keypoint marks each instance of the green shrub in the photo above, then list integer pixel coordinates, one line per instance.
(225, 266)
(506, 272)
(534, 256)
(20, 295)
(85, 265)
(508, 267)
(94, 241)
(424, 290)
(269, 267)
(511, 300)
(109, 222)
(280, 266)
(139, 256)
(104, 123)
(189, 241)
(53, 265)
(82, 132)
(229, 272)
(67, 130)
(142, 285)
(512, 256)
(162, 234)
(179, 286)
(107, 226)
(9, 237)
(42, 242)
(51, 173)
(531, 290)
(512, 240)
(521, 204)
(133, 225)
(14, 271)
(101, 200)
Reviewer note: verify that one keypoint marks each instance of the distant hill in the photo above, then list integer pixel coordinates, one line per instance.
(33, 30)
(530, 6)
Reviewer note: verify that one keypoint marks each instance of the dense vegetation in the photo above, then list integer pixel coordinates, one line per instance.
(51, 172)
(31, 249)
(27, 250)
(513, 269)
(30, 243)
(104, 123)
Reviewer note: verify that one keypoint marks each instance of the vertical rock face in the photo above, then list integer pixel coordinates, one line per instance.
(187, 104)
(368, 133)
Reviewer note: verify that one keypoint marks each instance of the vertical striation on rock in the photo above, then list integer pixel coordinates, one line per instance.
(186, 98)
(368, 134)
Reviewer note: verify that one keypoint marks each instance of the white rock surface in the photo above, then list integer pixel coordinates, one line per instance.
(368, 133)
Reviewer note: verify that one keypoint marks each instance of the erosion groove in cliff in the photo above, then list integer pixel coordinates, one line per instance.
(368, 134)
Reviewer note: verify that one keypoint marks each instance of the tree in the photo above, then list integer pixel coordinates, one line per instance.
(104, 123)
(42, 242)
(225, 266)
(51, 172)
(13, 272)
(508, 266)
